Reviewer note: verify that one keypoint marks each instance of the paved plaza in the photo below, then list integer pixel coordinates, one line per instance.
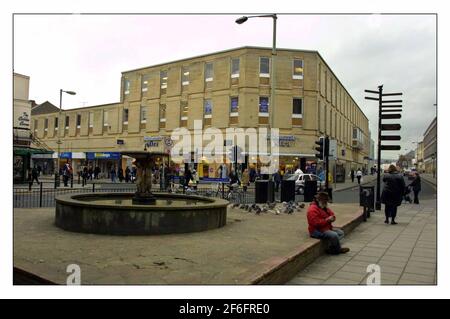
(406, 253)
(249, 249)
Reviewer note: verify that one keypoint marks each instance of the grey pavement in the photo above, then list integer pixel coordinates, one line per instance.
(406, 253)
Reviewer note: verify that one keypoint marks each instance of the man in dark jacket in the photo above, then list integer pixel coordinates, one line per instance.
(392, 196)
(416, 185)
(320, 219)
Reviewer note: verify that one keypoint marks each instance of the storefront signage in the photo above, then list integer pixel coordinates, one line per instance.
(67, 155)
(153, 138)
(152, 144)
(283, 140)
(24, 119)
(103, 155)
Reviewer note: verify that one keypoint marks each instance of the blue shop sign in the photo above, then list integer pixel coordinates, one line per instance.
(67, 155)
(102, 155)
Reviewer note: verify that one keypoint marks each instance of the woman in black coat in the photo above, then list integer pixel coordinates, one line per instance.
(392, 196)
(416, 185)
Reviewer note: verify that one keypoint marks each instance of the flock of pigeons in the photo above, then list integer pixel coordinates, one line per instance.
(274, 208)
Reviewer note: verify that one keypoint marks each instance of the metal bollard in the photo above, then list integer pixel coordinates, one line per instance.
(93, 187)
(71, 181)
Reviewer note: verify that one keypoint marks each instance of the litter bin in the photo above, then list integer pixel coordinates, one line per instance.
(287, 191)
(264, 191)
(310, 190)
(367, 197)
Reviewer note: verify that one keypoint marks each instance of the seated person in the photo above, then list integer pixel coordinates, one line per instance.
(320, 219)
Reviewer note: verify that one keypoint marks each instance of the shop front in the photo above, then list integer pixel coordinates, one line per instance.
(44, 162)
(105, 161)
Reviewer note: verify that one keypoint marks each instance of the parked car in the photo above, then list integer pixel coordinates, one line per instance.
(300, 182)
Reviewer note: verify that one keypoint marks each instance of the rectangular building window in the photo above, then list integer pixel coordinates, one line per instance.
(297, 112)
(185, 75)
(163, 81)
(126, 86)
(125, 116)
(35, 125)
(46, 124)
(235, 67)
(105, 118)
(207, 112)
(209, 72)
(56, 122)
(263, 115)
(234, 110)
(144, 83)
(264, 67)
(78, 120)
(183, 113)
(143, 114)
(264, 105)
(91, 119)
(162, 116)
(297, 71)
(67, 121)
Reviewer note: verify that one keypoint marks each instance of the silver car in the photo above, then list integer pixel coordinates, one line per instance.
(300, 182)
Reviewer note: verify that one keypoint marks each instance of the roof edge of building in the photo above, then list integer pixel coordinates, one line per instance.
(218, 52)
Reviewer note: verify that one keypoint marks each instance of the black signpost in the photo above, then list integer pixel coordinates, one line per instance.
(385, 106)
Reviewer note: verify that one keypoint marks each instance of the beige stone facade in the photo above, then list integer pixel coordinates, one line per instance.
(157, 99)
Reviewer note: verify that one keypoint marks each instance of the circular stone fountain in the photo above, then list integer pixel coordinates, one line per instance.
(141, 213)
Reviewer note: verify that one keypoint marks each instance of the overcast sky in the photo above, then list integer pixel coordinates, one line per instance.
(87, 53)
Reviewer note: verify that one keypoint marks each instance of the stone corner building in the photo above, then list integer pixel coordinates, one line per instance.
(223, 89)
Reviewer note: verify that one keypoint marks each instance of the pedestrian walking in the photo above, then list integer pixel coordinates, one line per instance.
(120, 173)
(245, 179)
(187, 177)
(34, 176)
(359, 175)
(352, 175)
(127, 174)
(392, 195)
(277, 180)
(85, 175)
(113, 174)
(416, 185)
(66, 174)
(97, 172)
(90, 172)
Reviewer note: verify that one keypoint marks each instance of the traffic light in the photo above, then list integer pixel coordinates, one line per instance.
(323, 148)
(320, 148)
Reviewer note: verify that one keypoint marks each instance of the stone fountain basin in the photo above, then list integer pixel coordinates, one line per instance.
(114, 214)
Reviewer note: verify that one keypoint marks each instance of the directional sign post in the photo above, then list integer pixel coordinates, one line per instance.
(385, 106)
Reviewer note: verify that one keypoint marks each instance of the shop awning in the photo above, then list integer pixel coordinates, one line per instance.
(30, 151)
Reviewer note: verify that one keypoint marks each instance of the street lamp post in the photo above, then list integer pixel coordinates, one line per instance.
(272, 69)
(59, 126)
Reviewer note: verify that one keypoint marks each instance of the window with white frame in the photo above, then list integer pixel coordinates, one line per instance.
(185, 75)
(297, 69)
(78, 120)
(125, 116)
(297, 112)
(264, 67)
(143, 114)
(105, 118)
(264, 106)
(126, 86)
(163, 81)
(144, 83)
(35, 125)
(234, 106)
(91, 119)
(208, 108)
(67, 122)
(209, 72)
(46, 124)
(162, 115)
(184, 108)
(235, 67)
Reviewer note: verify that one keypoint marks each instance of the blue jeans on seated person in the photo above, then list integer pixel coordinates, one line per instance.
(333, 237)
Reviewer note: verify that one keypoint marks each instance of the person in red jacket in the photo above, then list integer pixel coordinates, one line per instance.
(320, 219)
